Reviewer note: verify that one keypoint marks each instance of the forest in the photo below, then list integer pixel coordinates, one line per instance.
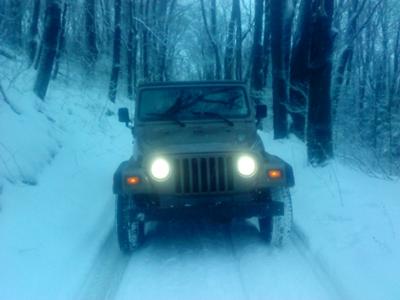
(333, 65)
(320, 174)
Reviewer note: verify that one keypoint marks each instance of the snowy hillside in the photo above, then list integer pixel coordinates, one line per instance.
(57, 236)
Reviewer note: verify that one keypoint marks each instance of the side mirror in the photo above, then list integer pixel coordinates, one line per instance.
(261, 111)
(123, 115)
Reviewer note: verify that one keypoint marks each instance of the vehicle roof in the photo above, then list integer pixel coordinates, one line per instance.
(189, 83)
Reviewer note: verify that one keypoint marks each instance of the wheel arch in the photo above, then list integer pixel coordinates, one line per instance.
(117, 178)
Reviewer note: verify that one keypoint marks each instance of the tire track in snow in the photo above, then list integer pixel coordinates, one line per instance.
(228, 229)
(317, 265)
(106, 272)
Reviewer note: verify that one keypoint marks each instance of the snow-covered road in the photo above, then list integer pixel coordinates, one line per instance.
(202, 260)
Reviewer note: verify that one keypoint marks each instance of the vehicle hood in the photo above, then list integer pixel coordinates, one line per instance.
(196, 139)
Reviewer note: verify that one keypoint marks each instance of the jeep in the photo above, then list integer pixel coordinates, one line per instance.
(197, 153)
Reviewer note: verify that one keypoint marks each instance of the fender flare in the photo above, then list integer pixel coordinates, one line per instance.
(289, 174)
(117, 180)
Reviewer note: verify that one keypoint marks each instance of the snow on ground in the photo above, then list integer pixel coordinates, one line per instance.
(28, 140)
(57, 238)
(351, 222)
(52, 225)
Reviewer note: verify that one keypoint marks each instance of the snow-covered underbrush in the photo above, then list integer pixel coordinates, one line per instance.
(349, 221)
(33, 131)
(29, 136)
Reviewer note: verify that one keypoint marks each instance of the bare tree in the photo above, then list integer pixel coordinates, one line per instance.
(14, 26)
(61, 40)
(112, 92)
(145, 39)
(319, 118)
(33, 32)
(229, 48)
(279, 67)
(239, 39)
(234, 44)
(257, 76)
(266, 41)
(211, 33)
(131, 51)
(90, 31)
(49, 47)
(299, 74)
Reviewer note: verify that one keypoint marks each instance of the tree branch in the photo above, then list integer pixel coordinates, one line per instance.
(5, 98)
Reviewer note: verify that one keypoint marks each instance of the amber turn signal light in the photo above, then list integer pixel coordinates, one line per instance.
(275, 174)
(132, 180)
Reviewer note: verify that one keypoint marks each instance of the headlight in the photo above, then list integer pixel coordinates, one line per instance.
(160, 169)
(246, 165)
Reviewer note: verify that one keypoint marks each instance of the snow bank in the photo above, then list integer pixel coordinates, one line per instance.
(349, 221)
(57, 161)
(29, 140)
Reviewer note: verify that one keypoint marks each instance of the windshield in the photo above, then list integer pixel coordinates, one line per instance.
(191, 103)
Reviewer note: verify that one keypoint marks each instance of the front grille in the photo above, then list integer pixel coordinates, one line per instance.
(195, 175)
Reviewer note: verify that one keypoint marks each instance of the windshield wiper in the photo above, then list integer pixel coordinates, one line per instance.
(214, 115)
(168, 116)
(185, 102)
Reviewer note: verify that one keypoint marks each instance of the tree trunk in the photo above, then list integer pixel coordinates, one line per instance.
(159, 42)
(211, 33)
(299, 75)
(346, 55)
(33, 32)
(266, 41)
(90, 28)
(106, 22)
(163, 66)
(112, 93)
(130, 57)
(229, 48)
(213, 29)
(319, 120)
(145, 45)
(238, 52)
(49, 44)
(14, 26)
(257, 77)
(61, 40)
(279, 73)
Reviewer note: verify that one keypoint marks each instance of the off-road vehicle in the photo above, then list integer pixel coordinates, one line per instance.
(197, 153)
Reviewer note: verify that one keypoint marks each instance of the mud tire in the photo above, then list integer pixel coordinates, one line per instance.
(130, 230)
(276, 229)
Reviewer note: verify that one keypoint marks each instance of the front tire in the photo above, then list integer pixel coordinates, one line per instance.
(276, 229)
(130, 230)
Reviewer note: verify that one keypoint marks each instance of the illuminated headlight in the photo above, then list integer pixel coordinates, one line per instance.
(246, 165)
(160, 169)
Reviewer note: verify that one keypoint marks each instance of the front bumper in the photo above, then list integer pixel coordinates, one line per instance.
(247, 205)
(215, 211)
